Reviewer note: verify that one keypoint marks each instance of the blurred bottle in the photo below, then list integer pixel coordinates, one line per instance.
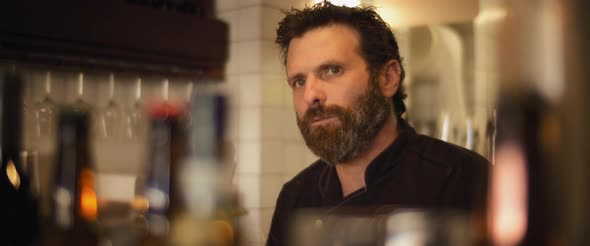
(190, 197)
(212, 201)
(19, 208)
(74, 203)
(523, 208)
(161, 191)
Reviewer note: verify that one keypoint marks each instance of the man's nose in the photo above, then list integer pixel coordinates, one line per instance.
(314, 91)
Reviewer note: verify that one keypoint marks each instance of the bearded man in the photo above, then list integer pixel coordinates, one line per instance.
(345, 71)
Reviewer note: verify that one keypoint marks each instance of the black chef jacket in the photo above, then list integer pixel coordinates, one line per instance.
(415, 171)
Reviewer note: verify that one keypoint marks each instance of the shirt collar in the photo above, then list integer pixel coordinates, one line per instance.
(329, 184)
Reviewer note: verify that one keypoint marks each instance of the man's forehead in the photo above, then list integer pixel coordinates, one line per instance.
(329, 40)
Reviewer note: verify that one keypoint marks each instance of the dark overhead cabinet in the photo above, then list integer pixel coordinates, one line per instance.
(162, 36)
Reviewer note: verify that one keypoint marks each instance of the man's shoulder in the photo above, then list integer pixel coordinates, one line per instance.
(440, 152)
(306, 176)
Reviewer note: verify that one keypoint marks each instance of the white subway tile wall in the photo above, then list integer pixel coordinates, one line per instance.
(249, 186)
(230, 17)
(250, 23)
(250, 90)
(272, 157)
(270, 18)
(250, 124)
(273, 93)
(249, 157)
(249, 56)
(271, 123)
(270, 185)
(225, 5)
(291, 132)
(232, 66)
(269, 147)
(271, 59)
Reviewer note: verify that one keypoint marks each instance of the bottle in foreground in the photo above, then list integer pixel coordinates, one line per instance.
(74, 203)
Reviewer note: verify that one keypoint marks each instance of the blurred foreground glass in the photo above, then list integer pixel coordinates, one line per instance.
(120, 147)
(18, 207)
(407, 227)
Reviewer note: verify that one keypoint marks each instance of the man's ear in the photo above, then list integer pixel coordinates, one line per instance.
(390, 76)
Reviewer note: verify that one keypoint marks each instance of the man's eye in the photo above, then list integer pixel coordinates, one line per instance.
(333, 70)
(298, 83)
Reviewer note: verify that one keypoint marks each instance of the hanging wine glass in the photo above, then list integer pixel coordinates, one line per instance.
(79, 101)
(165, 89)
(188, 97)
(164, 106)
(42, 132)
(44, 112)
(135, 118)
(110, 117)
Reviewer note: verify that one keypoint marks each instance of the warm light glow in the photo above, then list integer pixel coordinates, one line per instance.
(221, 232)
(491, 15)
(12, 174)
(80, 84)
(445, 129)
(165, 89)
(508, 201)
(348, 3)
(48, 83)
(138, 89)
(88, 201)
(140, 204)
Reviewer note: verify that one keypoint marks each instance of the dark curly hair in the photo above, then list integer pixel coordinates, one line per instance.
(378, 44)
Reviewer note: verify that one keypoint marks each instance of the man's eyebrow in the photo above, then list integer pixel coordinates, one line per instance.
(329, 63)
(295, 76)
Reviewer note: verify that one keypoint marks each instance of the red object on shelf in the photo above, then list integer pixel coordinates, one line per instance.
(166, 109)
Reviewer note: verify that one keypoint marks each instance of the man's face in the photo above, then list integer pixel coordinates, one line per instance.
(339, 105)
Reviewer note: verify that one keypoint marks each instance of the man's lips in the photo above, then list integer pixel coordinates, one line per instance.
(319, 120)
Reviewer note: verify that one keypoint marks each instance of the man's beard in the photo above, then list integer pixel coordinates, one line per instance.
(359, 125)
